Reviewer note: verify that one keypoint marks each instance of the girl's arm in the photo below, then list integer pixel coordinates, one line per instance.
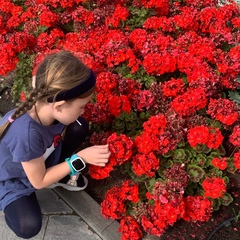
(40, 177)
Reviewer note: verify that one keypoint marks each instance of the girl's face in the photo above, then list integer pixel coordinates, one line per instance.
(69, 111)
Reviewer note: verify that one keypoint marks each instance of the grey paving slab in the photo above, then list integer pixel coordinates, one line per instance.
(51, 203)
(68, 227)
(89, 210)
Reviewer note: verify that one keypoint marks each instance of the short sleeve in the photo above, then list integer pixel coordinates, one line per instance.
(26, 145)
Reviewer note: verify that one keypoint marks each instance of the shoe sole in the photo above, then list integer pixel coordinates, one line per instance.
(69, 187)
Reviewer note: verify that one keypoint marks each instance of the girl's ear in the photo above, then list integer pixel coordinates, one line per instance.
(58, 105)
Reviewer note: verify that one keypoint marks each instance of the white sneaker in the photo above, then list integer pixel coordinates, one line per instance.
(77, 182)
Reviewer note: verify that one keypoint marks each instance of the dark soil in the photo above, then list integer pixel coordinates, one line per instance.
(181, 230)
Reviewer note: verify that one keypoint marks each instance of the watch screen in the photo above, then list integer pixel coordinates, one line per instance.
(78, 164)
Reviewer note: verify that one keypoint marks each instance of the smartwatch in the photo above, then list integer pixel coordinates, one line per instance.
(75, 163)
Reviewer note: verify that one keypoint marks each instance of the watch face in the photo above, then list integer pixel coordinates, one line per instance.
(78, 164)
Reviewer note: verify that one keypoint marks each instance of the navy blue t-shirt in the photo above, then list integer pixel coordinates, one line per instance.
(25, 140)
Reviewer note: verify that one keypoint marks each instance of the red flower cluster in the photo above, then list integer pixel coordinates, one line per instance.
(143, 100)
(157, 64)
(197, 208)
(222, 110)
(48, 18)
(102, 172)
(211, 137)
(236, 160)
(220, 163)
(214, 187)
(120, 14)
(121, 151)
(160, 216)
(189, 102)
(120, 147)
(113, 205)
(145, 164)
(130, 229)
(152, 138)
(173, 87)
(234, 138)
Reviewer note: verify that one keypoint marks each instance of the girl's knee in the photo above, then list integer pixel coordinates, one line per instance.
(29, 229)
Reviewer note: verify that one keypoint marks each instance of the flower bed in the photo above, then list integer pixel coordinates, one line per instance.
(166, 100)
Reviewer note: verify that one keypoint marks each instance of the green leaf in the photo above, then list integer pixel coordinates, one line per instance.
(234, 96)
(196, 173)
(226, 199)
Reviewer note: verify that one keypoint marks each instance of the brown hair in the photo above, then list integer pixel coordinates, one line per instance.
(58, 72)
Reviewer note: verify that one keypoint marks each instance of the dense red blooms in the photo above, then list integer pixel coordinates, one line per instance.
(211, 137)
(222, 110)
(120, 147)
(145, 164)
(220, 163)
(130, 229)
(157, 64)
(120, 14)
(113, 205)
(173, 87)
(214, 187)
(236, 160)
(234, 138)
(189, 102)
(197, 208)
(152, 139)
(102, 172)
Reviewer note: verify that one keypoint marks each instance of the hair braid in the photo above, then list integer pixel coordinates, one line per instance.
(34, 95)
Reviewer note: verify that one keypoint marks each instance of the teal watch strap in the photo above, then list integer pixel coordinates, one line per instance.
(75, 163)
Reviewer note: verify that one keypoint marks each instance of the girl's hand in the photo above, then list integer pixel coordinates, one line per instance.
(95, 155)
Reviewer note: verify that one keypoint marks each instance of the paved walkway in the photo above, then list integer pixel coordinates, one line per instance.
(68, 215)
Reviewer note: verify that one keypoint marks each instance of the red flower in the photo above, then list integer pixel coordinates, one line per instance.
(222, 110)
(118, 104)
(220, 163)
(48, 18)
(120, 14)
(234, 138)
(113, 206)
(214, 187)
(143, 100)
(120, 147)
(189, 102)
(198, 135)
(173, 87)
(130, 229)
(102, 172)
(215, 138)
(145, 164)
(211, 137)
(157, 64)
(22, 96)
(236, 160)
(197, 208)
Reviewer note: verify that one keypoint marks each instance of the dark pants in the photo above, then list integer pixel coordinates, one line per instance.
(23, 216)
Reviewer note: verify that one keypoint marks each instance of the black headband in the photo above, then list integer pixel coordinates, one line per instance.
(77, 91)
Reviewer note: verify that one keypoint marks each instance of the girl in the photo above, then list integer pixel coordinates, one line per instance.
(40, 140)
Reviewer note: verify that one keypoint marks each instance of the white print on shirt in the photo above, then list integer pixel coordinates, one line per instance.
(49, 150)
